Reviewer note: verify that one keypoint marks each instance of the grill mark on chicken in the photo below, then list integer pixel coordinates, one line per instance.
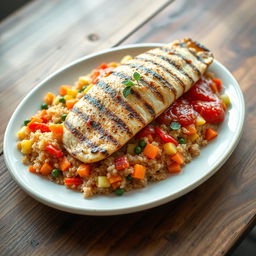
(171, 62)
(113, 93)
(153, 73)
(188, 43)
(183, 58)
(120, 123)
(137, 94)
(82, 138)
(104, 134)
(166, 70)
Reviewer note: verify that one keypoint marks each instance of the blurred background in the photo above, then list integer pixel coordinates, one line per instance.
(247, 247)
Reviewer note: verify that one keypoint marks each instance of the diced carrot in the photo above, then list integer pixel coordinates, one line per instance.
(218, 83)
(84, 170)
(178, 158)
(214, 87)
(48, 98)
(32, 169)
(191, 129)
(64, 164)
(56, 129)
(71, 103)
(46, 169)
(115, 178)
(151, 151)
(210, 134)
(63, 90)
(174, 168)
(139, 171)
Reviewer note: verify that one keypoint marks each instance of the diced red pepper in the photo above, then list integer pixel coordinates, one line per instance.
(121, 163)
(102, 66)
(33, 126)
(73, 181)
(146, 132)
(54, 151)
(165, 137)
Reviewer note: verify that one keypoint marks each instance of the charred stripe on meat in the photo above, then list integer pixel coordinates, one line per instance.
(82, 138)
(104, 134)
(120, 123)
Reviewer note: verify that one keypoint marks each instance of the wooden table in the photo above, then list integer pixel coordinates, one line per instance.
(44, 36)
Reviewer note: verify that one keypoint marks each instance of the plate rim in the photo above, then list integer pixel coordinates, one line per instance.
(121, 210)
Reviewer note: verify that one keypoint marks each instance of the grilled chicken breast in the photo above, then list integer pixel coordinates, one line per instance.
(166, 73)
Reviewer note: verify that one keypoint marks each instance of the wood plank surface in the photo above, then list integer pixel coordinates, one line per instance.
(209, 220)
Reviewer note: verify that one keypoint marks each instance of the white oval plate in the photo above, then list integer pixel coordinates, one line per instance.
(199, 170)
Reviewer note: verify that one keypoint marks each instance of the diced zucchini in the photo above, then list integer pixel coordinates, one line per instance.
(56, 101)
(170, 148)
(103, 182)
(130, 148)
(26, 146)
(225, 99)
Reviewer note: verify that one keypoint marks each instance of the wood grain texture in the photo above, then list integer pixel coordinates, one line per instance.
(207, 221)
(42, 38)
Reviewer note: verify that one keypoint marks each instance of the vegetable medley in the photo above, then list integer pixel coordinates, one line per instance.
(158, 150)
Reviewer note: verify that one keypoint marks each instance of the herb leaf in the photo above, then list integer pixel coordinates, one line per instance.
(127, 91)
(136, 76)
(175, 125)
(127, 83)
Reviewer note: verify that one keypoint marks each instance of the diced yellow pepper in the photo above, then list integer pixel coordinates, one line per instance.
(200, 120)
(88, 88)
(103, 182)
(26, 146)
(225, 99)
(193, 137)
(22, 132)
(68, 97)
(72, 93)
(126, 58)
(130, 148)
(85, 80)
(170, 148)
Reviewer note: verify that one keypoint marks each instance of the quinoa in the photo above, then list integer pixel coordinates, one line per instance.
(157, 169)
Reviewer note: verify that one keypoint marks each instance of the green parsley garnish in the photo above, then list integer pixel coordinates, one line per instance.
(175, 125)
(83, 88)
(129, 84)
